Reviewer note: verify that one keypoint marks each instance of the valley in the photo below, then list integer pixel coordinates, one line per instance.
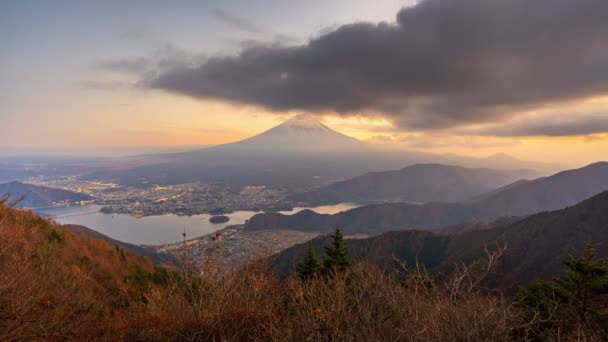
(274, 217)
(156, 212)
(156, 229)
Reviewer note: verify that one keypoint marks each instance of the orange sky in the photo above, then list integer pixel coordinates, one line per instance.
(55, 96)
(152, 118)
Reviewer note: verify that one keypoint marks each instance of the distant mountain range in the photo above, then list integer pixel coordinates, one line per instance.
(548, 193)
(419, 183)
(297, 154)
(535, 245)
(39, 196)
(371, 219)
(519, 199)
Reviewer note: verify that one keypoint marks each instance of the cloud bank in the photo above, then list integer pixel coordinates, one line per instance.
(441, 64)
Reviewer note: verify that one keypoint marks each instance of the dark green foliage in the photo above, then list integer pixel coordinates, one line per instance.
(55, 237)
(84, 261)
(336, 252)
(310, 266)
(139, 283)
(123, 257)
(584, 280)
(336, 258)
(541, 301)
(160, 276)
(579, 297)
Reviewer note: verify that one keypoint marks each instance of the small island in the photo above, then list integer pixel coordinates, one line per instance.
(219, 219)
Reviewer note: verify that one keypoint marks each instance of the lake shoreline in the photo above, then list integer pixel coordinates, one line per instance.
(158, 229)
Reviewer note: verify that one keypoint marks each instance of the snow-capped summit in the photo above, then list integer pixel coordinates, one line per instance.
(302, 132)
(304, 120)
(303, 124)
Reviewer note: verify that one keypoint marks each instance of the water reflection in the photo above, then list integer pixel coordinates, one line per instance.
(158, 229)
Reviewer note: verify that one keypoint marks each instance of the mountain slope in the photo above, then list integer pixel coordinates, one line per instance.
(154, 256)
(39, 196)
(54, 283)
(369, 219)
(60, 286)
(518, 199)
(548, 193)
(419, 183)
(297, 154)
(535, 245)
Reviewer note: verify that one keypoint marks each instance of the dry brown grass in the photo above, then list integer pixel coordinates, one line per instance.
(49, 291)
(54, 284)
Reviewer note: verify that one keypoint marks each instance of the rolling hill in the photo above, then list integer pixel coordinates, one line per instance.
(535, 245)
(420, 183)
(558, 191)
(518, 199)
(59, 285)
(371, 219)
(39, 196)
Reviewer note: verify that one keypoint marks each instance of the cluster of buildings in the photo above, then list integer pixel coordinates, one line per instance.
(182, 199)
(234, 245)
(190, 199)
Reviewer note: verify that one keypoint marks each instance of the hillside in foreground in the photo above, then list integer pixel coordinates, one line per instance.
(156, 257)
(59, 285)
(54, 283)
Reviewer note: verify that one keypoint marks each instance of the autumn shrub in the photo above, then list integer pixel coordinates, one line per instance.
(55, 285)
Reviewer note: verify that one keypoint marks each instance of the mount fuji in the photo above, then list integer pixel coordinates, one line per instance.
(298, 153)
(300, 134)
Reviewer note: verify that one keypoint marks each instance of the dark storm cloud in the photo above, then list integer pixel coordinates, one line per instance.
(551, 125)
(443, 63)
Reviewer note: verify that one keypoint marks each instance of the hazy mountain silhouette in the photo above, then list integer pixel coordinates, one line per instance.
(419, 183)
(370, 219)
(518, 199)
(563, 189)
(298, 153)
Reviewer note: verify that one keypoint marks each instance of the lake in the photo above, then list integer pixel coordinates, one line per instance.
(161, 229)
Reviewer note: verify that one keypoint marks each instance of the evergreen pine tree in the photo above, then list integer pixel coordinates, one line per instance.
(336, 254)
(584, 279)
(577, 296)
(310, 265)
